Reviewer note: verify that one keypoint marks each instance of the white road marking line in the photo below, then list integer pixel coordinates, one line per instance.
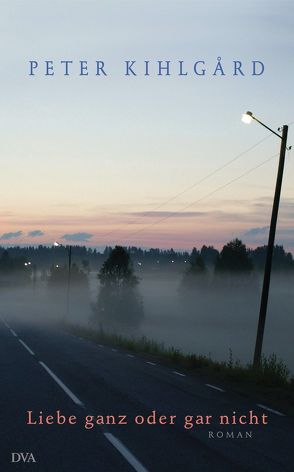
(150, 363)
(6, 324)
(71, 395)
(26, 347)
(100, 345)
(130, 355)
(114, 350)
(215, 388)
(270, 409)
(125, 452)
(179, 373)
(13, 332)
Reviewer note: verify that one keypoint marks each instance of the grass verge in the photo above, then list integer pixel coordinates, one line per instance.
(272, 380)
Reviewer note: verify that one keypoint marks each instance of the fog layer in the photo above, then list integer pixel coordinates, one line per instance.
(210, 320)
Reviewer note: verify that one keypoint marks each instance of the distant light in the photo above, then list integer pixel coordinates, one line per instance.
(247, 117)
(29, 263)
(25, 263)
(57, 266)
(185, 262)
(56, 244)
(173, 262)
(139, 263)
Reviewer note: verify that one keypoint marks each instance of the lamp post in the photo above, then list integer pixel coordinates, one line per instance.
(247, 118)
(29, 265)
(34, 277)
(68, 279)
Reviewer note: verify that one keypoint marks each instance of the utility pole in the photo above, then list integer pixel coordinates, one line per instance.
(34, 277)
(247, 118)
(68, 282)
(270, 248)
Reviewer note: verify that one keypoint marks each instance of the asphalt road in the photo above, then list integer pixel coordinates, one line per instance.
(46, 370)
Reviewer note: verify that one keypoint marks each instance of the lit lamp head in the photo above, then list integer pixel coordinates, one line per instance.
(247, 117)
(56, 244)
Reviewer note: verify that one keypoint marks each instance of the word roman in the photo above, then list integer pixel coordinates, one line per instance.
(49, 68)
(154, 418)
(230, 435)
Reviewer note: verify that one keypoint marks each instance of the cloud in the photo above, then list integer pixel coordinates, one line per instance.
(77, 237)
(256, 231)
(167, 214)
(36, 233)
(7, 236)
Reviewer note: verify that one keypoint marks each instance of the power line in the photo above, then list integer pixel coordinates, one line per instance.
(202, 198)
(195, 184)
(190, 187)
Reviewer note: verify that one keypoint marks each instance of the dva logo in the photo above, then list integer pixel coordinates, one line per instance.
(22, 457)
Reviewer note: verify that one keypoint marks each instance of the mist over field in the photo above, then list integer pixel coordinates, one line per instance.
(214, 320)
(210, 320)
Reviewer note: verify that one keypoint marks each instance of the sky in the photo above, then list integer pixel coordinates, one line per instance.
(128, 159)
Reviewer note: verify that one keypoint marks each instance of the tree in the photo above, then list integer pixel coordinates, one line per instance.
(119, 304)
(209, 254)
(197, 264)
(234, 257)
(86, 266)
(72, 299)
(194, 275)
(282, 260)
(14, 269)
(117, 270)
(58, 276)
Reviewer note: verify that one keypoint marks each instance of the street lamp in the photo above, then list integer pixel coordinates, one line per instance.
(34, 273)
(248, 117)
(56, 244)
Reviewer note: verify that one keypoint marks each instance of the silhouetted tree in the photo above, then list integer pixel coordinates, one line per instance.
(282, 260)
(119, 304)
(58, 276)
(78, 296)
(147, 259)
(14, 269)
(209, 255)
(196, 262)
(234, 257)
(194, 276)
(86, 266)
(197, 266)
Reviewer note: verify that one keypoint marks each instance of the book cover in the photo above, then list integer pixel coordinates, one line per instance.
(146, 243)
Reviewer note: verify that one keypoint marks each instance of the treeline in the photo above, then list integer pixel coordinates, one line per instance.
(149, 259)
(119, 304)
